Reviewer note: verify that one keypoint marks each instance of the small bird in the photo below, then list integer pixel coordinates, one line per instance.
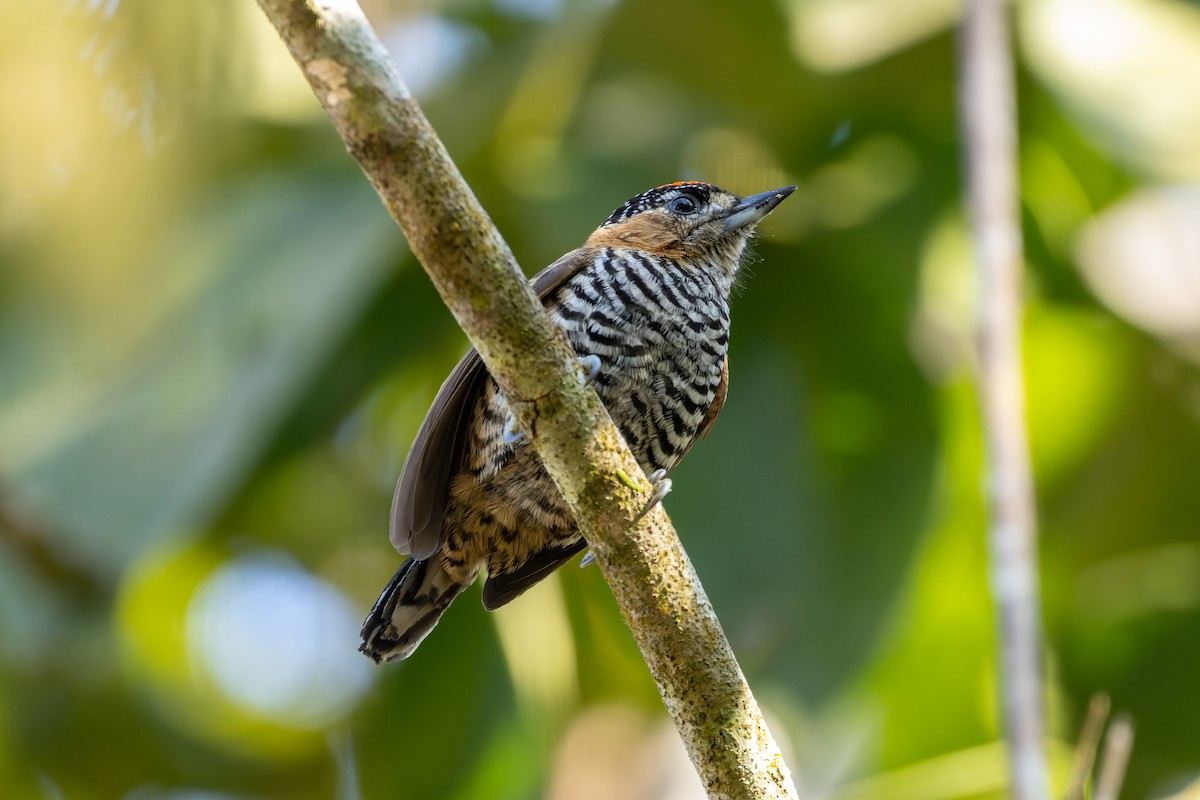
(645, 305)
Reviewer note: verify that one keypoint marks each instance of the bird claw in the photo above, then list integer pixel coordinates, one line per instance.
(662, 487)
(592, 365)
(513, 435)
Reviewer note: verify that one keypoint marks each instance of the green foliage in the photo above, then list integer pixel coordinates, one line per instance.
(215, 349)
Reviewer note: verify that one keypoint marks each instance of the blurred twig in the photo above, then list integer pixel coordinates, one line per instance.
(988, 116)
(1088, 745)
(1117, 746)
(479, 279)
(45, 553)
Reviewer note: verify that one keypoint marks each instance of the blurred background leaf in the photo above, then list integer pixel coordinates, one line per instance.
(215, 350)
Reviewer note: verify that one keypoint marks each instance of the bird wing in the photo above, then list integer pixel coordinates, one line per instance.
(419, 504)
(505, 586)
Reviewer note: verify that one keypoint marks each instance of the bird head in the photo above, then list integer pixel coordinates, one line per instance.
(688, 221)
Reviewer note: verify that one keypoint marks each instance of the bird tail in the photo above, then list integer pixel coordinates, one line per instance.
(407, 610)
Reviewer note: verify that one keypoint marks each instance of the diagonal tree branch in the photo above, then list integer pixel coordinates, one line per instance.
(475, 273)
(988, 112)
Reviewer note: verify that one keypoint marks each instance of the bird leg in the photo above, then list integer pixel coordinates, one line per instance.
(662, 487)
(513, 435)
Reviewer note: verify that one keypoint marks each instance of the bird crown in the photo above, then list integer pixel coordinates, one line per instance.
(659, 195)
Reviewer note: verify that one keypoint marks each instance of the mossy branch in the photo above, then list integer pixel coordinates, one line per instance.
(478, 278)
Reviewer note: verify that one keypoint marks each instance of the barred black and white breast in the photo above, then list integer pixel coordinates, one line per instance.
(661, 330)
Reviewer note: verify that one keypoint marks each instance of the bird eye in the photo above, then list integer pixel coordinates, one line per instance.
(683, 205)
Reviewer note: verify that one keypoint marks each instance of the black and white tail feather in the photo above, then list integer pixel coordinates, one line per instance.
(407, 610)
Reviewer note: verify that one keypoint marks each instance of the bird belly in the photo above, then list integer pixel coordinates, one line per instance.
(503, 507)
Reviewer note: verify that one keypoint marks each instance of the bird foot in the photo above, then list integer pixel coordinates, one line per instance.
(662, 487)
(513, 435)
(592, 365)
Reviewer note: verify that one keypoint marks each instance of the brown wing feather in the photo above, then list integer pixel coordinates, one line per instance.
(419, 504)
(505, 587)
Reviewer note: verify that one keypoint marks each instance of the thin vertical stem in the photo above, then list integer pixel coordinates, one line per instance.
(1118, 744)
(988, 115)
(1088, 746)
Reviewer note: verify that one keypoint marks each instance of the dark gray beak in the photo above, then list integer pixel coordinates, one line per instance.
(751, 209)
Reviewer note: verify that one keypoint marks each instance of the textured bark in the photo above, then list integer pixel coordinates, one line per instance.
(474, 271)
(988, 119)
